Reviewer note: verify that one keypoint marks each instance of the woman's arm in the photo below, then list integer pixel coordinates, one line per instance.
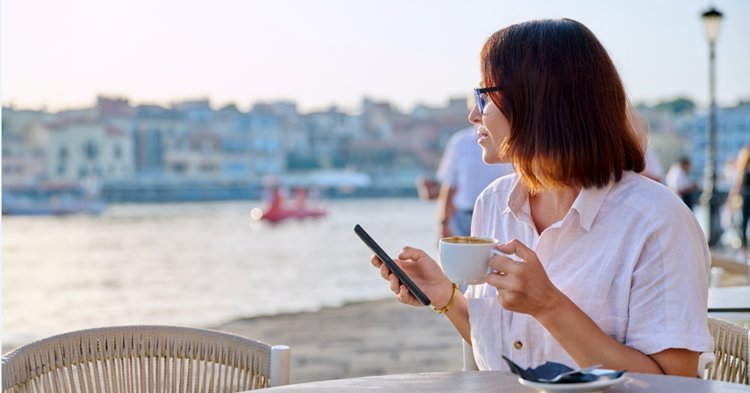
(458, 313)
(587, 344)
(445, 208)
(524, 287)
(428, 276)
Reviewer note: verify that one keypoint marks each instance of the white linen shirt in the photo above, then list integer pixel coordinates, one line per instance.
(630, 255)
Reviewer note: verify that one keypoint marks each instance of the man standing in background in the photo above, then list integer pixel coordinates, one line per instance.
(678, 179)
(463, 175)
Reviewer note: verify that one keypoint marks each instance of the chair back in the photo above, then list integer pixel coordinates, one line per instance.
(128, 359)
(730, 351)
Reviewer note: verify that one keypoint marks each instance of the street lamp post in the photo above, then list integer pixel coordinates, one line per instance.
(709, 201)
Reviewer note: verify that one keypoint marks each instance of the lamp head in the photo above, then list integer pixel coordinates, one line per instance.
(712, 20)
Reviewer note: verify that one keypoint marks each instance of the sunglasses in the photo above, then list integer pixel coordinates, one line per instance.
(479, 95)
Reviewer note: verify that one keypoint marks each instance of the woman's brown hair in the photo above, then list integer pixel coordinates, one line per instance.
(567, 107)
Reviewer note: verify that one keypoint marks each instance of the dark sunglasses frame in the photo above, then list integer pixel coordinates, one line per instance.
(478, 95)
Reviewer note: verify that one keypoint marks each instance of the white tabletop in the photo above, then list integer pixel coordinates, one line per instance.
(729, 299)
(498, 382)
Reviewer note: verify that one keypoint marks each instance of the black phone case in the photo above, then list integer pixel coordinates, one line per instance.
(391, 265)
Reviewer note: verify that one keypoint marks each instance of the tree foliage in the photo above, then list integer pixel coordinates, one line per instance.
(676, 106)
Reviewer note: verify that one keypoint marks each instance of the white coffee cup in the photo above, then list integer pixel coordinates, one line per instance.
(464, 258)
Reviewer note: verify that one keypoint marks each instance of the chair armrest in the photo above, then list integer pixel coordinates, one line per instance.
(706, 360)
(280, 364)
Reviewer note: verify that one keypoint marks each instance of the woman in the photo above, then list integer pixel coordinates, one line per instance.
(614, 267)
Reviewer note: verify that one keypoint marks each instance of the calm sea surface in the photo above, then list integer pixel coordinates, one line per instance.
(194, 264)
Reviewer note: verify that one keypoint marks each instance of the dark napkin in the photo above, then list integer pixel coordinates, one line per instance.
(550, 370)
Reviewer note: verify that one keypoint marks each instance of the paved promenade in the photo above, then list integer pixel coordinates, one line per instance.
(359, 339)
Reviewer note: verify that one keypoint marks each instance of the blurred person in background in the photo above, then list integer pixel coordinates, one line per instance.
(600, 265)
(739, 195)
(463, 175)
(678, 179)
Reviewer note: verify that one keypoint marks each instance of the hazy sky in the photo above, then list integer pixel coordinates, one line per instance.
(62, 53)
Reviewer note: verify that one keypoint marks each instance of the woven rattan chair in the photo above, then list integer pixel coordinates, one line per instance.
(731, 352)
(126, 359)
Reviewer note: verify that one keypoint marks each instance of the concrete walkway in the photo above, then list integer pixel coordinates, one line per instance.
(359, 339)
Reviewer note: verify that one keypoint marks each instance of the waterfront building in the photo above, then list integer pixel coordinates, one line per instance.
(80, 149)
(24, 141)
(329, 133)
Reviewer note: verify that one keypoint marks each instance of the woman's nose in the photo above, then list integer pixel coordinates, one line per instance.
(474, 116)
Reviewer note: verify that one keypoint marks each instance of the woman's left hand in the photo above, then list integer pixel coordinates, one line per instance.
(522, 286)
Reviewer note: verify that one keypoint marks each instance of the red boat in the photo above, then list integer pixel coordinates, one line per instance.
(277, 211)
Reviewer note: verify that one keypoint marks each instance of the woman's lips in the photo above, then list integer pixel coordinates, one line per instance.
(482, 134)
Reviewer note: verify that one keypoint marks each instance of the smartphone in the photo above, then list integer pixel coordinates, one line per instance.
(413, 288)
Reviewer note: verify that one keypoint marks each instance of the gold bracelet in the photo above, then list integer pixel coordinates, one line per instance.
(450, 302)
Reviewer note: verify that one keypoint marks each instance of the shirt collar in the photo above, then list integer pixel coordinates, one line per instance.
(587, 203)
(518, 199)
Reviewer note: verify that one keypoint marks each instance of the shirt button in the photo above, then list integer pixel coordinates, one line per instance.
(518, 345)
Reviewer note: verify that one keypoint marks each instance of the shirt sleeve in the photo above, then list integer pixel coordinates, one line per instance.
(669, 288)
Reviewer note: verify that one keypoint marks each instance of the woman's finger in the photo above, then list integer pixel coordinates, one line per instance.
(395, 284)
(376, 261)
(406, 297)
(384, 271)
(516, 247)
(503, 264)
(501, 281)
(413, 254)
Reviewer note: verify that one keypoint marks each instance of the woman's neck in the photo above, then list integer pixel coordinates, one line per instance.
(551, 205)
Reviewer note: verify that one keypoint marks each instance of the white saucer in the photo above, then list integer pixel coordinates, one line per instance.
(595, 386)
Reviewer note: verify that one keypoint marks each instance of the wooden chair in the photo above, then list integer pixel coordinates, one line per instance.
(731, 352)
(127, 359)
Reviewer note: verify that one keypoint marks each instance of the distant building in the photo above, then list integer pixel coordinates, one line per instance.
(266, 146)
(198, 111)
(330, 132)
(82, 149)
(24, 141)
(195, 155)
(155, 130)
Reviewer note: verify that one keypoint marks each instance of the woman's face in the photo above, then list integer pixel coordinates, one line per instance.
(493, 129)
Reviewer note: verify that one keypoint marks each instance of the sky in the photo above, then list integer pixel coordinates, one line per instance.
(60, 54)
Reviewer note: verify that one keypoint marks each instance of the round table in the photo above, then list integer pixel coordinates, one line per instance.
(499, 381)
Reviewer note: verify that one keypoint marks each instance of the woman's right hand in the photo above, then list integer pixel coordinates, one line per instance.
(423, 271)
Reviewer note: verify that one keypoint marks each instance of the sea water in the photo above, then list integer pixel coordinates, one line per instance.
(194, 264)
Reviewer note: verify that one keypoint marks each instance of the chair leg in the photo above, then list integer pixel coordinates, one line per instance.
(280, 365)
